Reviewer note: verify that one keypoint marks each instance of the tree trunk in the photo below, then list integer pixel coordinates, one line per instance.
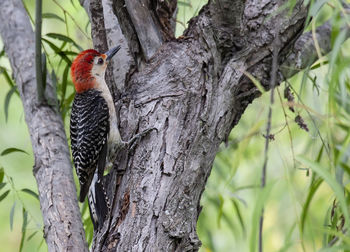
(193, 90)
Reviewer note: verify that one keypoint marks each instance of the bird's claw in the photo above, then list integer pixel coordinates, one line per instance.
(131, 144)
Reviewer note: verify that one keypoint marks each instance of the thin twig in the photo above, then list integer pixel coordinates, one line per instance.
(312, 120)
(289, 131)
(268, 129)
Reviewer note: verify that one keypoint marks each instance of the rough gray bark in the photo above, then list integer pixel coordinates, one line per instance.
(63, 229)
(145, 27)
(122, 61)
(304, 53)
(193, 90)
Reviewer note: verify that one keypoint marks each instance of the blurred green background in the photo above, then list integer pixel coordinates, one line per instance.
(302, 205)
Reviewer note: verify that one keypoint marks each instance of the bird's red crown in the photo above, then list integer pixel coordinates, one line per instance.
(81, 70)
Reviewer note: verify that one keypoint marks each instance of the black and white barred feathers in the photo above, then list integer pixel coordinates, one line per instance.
(89, 128)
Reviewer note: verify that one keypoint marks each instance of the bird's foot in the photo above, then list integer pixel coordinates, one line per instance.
(131, 144)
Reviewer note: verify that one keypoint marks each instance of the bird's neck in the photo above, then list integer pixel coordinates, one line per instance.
(101, 86)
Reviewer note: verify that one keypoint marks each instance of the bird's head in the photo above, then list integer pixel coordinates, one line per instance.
(90, 66)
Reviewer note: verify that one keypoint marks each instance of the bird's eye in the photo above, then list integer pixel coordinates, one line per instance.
(100, 61)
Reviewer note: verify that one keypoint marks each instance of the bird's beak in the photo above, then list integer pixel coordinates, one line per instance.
(112, 52)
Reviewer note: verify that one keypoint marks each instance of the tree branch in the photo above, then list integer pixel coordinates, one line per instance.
(146, 29)
(63, 229)
(124, 62)
(303, 53)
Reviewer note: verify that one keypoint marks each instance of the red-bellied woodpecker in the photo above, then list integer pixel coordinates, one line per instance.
(94, 130)
(95, 138)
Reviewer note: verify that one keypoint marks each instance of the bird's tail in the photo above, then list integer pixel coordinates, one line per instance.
(98, 202)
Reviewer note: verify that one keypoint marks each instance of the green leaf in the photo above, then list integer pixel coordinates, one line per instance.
(72, 2)
(346, 168)
(65, 39)
(7, 77)
(70, 99)
(41, 243)
(2, 53)
(89, 230)
(337, 189)
(7, 100)
(340, 234)
(2, 173)
(30, 192)
(12, 213)
(255, 81)
(312, 191)
(58, 51)
(335, 249)
(2, 185)
(319, 64)
(63, 45)
(336, 47)
(64, 85)
(87, 26)
(239, 215)
(319, 156)
(52, 16)
(3, 196)
(220, 210)
(24, 227)
(11, 150)
(54, 79)
(262, 197)
(66, 105)
(32, 235)
(84, 208)
(315, 8)
(288, 240)
(70, 53)
(43, 70)
(182, 3)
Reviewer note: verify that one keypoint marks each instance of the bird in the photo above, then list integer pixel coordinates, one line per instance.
(94, 133)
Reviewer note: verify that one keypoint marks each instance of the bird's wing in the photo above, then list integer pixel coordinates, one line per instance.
(89, 129)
